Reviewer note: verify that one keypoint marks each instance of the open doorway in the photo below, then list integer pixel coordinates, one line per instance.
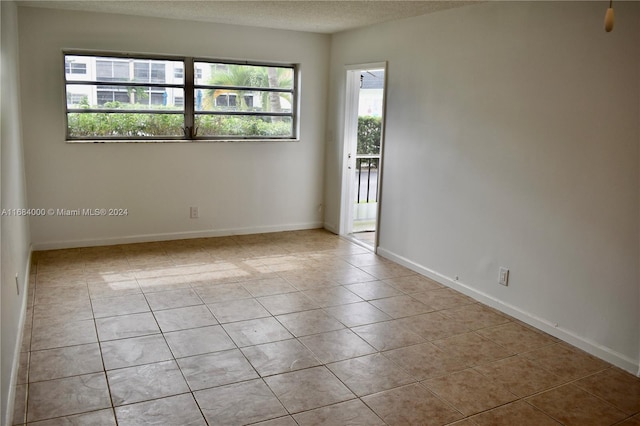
(364, 119)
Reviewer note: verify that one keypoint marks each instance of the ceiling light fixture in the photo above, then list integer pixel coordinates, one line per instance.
(609, 18)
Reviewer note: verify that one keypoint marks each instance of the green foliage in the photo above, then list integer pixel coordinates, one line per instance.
(140, 93)
(215, 125)
(87, 125)
(369, 134)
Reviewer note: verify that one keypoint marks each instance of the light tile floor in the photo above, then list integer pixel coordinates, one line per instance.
(288, 328)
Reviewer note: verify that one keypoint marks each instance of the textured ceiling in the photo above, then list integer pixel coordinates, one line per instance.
(306, 15)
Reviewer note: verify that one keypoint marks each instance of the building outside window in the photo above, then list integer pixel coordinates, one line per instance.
(71, 67)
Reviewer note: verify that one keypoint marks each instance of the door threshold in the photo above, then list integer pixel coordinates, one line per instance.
(360, 243)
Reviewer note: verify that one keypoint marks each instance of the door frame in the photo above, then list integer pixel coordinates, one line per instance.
(349, 146)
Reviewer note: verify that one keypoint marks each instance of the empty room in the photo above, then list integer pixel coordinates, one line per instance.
(320, 213)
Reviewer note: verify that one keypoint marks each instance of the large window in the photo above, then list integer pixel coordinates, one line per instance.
(124, 98)
(242, 100)
(142, 98)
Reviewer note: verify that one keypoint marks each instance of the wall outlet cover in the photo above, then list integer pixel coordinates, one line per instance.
(503, 276)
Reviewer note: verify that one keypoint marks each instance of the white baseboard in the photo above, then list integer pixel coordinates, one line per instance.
(331, 228)
(145, 238)
(542, 324)
(15, 365)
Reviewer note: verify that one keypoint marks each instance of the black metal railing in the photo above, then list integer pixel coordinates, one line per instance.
(367, 167)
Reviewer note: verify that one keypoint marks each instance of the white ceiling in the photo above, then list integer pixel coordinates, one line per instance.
(300, 15)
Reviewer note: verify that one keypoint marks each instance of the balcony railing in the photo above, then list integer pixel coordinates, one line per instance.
(367, 167)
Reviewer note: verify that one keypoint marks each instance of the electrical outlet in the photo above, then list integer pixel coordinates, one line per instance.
(194, 212)
(17, 285)
(503, 276)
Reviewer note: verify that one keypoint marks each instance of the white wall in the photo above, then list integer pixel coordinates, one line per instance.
(239, 187)
(14, 230)
(512, 140)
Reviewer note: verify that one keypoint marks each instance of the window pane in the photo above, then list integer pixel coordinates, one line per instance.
(72, 67)
(237, 125)
(108, 95)
(124, 97)
(104, 70)
(141, 72)
(124, 69)
(157, 73)
(77, 100)
(120, 70)
(88, 125)
(242, 100)
(175, 69)
(199, 75)
(112, 69)
(216, 74)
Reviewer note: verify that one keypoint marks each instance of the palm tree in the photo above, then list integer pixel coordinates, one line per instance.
(251, 76)
(234, 75)
(281, 78)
